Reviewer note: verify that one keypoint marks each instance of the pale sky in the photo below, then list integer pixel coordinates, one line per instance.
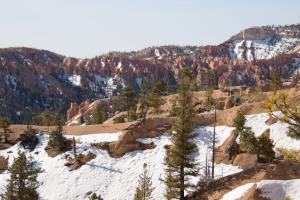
(86, 28)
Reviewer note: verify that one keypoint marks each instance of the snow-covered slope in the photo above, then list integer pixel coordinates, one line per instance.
(261, 49)
(114, 179)
(271, 189)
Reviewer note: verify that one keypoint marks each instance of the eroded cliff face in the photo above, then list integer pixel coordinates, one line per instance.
(33, 80)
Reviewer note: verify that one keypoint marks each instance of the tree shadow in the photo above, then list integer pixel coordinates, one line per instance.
(106, 168)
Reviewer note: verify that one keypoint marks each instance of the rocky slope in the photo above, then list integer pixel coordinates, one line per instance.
(33, 80)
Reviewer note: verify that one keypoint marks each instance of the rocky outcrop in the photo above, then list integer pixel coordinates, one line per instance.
(33, 80)
(128, 141)
(76, 109)
(245, 160)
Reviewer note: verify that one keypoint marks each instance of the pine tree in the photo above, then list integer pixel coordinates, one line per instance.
(159, 88)
(239, 124)
(265, 148)
(276, 82)
(94, 196)
(248, 140)
(22, 183)
(128, 101)
(179, 162)
(99, 115)
(57, 139)
(144, 189)
(29, 138)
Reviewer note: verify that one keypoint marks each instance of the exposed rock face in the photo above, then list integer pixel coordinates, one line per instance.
(245, 160)
(33, 80)
(153, 127)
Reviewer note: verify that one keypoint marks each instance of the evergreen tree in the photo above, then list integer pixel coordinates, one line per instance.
(46, 118)
(100, 115)
(173, 108)
(128, 101)
(144, 189)
(57, 139)
(22, 183)
(276, 82)
(248, 141)
(265, 148)
(239, 124)
(154, 101)
(179, 162)
(94, 196)
(159, 88)
(29, 138)
(4, 124)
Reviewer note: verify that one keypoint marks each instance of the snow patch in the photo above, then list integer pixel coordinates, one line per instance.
(75, 79)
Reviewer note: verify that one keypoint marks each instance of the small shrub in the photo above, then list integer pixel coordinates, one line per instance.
(29, 138)
(120, 119)
(94, 196)
(57, 139)
(265, 148)
(288, 198)
(292, 155)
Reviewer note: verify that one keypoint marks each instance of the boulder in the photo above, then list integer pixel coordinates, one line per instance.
(271, 120)
(229, 103)
(245, 160)
(223, 151)
(119, 149)
(3, 163)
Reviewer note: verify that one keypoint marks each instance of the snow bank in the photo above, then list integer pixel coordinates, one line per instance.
(278, 190)
(271, 189)
(238, 192)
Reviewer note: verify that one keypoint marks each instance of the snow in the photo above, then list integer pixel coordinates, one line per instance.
(11, 81)
(75, 79)
(119, 65)
(278, 189)
(93, 138)
(278, 131)
(114, 179)
(139, 81)
(270, 189)
(238, 192)
(263, 49)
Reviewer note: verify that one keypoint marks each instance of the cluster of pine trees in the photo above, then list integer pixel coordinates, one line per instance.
(136, 104)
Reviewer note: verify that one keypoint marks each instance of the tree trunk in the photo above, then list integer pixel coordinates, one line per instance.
(213, 147)
(74, 147)
(181, 182)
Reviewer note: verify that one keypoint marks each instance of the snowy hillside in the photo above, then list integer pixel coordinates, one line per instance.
(261, 49)
(116, 179)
